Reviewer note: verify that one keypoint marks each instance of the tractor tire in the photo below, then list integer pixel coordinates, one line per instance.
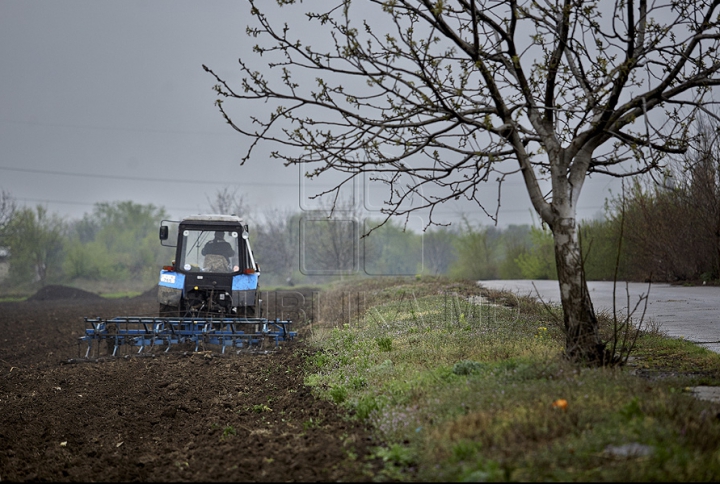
(246, 311)
(168, 311)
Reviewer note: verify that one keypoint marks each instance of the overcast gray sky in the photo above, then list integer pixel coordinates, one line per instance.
(104, 101)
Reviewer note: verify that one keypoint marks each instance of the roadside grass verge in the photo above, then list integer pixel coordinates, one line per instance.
(459, 383)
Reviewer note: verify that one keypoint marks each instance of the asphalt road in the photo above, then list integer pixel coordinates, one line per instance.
(692, 313)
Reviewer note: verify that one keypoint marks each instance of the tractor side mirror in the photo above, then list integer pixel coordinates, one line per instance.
(163, 232)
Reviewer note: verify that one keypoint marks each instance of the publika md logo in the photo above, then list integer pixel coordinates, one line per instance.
(342, 228)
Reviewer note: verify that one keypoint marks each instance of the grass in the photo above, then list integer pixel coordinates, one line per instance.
(462, 388)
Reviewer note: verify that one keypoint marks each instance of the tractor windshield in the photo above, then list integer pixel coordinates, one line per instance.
(212, 251)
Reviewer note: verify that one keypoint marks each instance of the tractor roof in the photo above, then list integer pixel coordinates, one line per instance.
(214, 217)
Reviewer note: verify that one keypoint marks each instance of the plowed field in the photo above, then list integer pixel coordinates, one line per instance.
(176, 416)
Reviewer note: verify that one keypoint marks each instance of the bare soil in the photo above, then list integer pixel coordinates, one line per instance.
(176, 416)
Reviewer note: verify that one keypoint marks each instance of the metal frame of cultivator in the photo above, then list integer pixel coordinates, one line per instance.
(155, 332)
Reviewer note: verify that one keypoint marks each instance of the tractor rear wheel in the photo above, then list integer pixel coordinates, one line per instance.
(168, 311)
(245, 311)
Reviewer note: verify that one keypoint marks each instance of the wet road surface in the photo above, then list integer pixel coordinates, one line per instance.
(692, 313)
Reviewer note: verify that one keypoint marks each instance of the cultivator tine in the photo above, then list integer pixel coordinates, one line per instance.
(152, 332)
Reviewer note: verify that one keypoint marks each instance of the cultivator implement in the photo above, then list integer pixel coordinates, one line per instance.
(159, 332)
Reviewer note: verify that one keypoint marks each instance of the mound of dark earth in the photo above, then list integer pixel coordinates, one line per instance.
(169, 417)
(55, 292)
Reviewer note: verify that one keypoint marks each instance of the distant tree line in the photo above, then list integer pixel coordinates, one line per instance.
(115, 242)
(656, 230)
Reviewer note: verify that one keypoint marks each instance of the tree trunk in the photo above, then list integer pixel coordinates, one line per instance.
(582, 339)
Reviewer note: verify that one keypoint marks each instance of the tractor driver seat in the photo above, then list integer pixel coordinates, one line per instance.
(216, 263)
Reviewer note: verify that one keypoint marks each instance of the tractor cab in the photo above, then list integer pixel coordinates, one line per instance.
(214, 271)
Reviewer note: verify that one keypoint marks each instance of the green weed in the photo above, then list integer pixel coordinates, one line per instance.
(384, 343)
(227, 432)
(312, 423)
(261, 408)
(396, 454)
(339, 394)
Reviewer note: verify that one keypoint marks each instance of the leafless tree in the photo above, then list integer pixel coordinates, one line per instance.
(8, 206)
(673, 223)
(471, 91)
(702, 193)
(438, 250)
(275, 242)
(230, 202)
(329, 239)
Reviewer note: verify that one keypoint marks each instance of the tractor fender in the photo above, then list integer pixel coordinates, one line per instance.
(170, 288)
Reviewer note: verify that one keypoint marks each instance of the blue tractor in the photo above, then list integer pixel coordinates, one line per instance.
(209, 295)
